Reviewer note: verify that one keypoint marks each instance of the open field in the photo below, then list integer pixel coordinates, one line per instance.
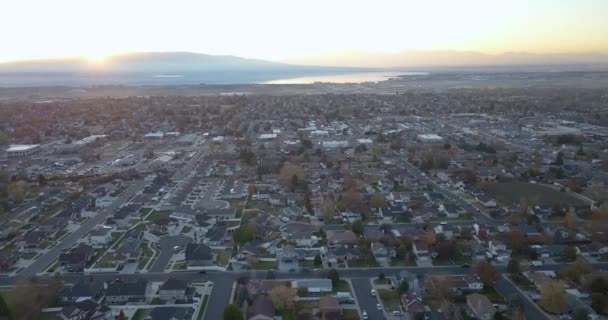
(537, 194)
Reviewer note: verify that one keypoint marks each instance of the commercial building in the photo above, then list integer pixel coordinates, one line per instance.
(430, 138)
(20, 151)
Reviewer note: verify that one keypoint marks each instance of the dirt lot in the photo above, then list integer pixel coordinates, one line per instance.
(512, 192)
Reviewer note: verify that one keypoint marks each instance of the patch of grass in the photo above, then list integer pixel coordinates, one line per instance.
(223, 257)
(342, 286)
(144, 211)
(158, 215)
(264, 265)
(139, 314)
(287, 314)
(350, 314)
(494, 296)
(390, 299)
(186, 229)
(201, 312)
(142, 264)
(396, 262)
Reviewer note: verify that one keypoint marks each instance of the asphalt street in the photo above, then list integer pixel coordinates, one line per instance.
(166, 245)
(367, 302)
(46, 259)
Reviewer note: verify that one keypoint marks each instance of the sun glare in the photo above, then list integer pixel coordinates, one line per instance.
(96, 58)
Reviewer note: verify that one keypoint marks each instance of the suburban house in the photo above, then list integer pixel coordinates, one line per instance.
(341, 254)
(53, 225)
(100, 237)
(314, 287)
(330, 308)
(32, 242)
(480, 306)
(174, 289)
(198, 255)
(130, 249)
(127, 292)
(422, 251)
(77, 258)
(85, 310)
(260, 309)
(450, 210)
(287, 259)
(82, 290)
(301, 233)
(486, 201)
(343, 238)
(413, 305)
(383, 253)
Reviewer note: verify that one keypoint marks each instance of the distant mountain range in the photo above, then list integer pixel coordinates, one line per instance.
(185, 68)
(449, 59)
(155, 68)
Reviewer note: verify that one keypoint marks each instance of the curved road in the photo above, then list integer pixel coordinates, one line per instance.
(166, 245)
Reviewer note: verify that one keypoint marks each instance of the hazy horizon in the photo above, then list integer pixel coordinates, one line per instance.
(313, 32)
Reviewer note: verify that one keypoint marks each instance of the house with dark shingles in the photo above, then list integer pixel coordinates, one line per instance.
(198, 255)
(260, 309)
(85, 310)
(340, 238)
(174, 289)
(82, 290)
(77, 258)
(127, 292)
(413, 305)
(330, 308)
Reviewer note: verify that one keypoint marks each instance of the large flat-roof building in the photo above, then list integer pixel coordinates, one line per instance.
(430, 138)
(20, 151)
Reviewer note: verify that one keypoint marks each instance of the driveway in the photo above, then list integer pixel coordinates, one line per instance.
(166, 245)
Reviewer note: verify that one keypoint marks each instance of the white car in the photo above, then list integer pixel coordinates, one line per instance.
(379, 306)
(373, 292)
(364, 313)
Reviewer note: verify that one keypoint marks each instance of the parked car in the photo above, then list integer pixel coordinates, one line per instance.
(373, 292)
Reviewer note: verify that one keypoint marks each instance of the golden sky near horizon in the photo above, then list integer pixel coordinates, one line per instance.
(283, 29)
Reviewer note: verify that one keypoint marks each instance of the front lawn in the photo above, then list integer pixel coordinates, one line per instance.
(201, 311)
(264, 265)
(158, 215)
(342, 286)
(362, 264)
(390, 299)
(139, 314)
(350, 314)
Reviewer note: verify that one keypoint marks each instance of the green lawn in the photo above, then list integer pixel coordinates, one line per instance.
(342, 286)
(223, 257)
(287, 314)
(494, 296)
(143, 263)
(157, 215)
(538, 194)
(264, 265)
(139, 314)
(395, 262)
(186, 229)
(390, 299)
(201, 312)
(350, 314)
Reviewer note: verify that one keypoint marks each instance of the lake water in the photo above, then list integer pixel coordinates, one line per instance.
(357, 77)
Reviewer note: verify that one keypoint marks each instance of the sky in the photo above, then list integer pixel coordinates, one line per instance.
(284, 29)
